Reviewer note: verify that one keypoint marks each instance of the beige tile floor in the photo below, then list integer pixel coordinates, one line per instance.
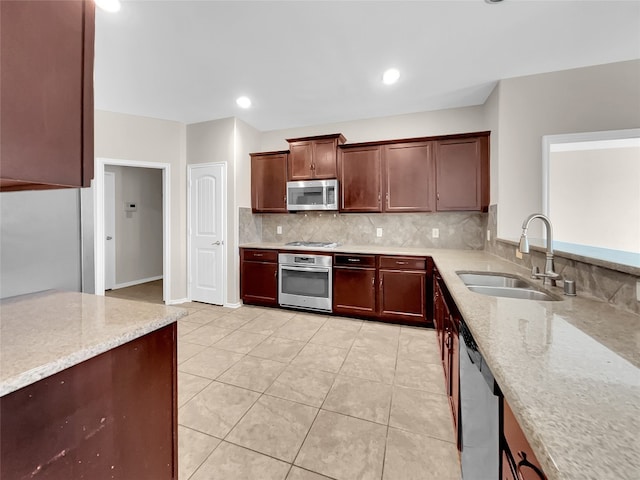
(278, 394)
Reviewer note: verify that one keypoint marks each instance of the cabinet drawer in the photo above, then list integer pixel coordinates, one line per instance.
(404, 263)
(260, 255)
(355, 260)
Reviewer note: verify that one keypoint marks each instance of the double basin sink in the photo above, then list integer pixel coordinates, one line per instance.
(504, 285)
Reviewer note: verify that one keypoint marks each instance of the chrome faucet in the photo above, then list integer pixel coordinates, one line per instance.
(549, 273)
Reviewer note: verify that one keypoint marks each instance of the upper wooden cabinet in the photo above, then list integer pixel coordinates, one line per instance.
(392, 177)
(408, 177)
(360, 177)
(314, 157)
(462, 174)
(269, 182)
(46, 100)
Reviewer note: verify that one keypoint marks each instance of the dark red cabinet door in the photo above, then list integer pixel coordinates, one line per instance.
(409, 177)
(462, 177)
(360, 175)
(46, 102)
(269, 182)
(259, 283)
(354, 291)
(402, 295)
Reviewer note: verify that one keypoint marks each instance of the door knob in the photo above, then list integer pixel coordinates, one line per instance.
(109, 237)
(218, 243)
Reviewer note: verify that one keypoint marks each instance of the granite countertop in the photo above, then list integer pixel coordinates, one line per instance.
(570, 369)
(46, 332)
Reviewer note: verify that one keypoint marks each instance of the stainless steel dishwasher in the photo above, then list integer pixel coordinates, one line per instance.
(479, 412)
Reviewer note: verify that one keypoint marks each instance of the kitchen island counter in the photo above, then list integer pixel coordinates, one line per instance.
(89, 387)
(46, 332)
(569, 369)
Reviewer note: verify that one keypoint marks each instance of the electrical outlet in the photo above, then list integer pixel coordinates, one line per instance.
(435, 233)
(518, 253)
(279, 230)
(488, 235)
(378, 232)
(638, 291)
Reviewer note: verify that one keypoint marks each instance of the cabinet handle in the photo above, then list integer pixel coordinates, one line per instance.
(438, 195)
(275, 274)
(402, 263)
(387, 199)
(525, 463)
(353, 259)
(373, 282)
(258, 254)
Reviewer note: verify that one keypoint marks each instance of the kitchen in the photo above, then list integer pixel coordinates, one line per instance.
(518, 112)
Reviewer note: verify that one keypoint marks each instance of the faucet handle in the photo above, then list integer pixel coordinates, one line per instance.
(534, 272)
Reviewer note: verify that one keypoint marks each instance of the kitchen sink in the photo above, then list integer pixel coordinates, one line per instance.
(504, 285)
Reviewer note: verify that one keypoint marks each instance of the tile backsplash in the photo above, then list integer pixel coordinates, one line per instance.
(462, 230)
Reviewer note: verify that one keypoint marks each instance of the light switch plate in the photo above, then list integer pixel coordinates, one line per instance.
(279, 230)
(378, 232)
(435, 233)
(488, 235)
(638, 291)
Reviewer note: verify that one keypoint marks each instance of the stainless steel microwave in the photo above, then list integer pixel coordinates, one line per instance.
(312, 195)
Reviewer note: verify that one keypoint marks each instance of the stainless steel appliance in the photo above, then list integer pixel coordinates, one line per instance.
(305, 281)
(312, 195)
(479, 412)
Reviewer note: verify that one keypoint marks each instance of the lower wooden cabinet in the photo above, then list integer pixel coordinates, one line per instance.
(518, 460)
(446, 322)
(354, 285)
(402, 293)
(259, 276)
(391, 288)
(112, 416)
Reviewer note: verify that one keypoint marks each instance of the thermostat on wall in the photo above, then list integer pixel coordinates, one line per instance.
(130, 207)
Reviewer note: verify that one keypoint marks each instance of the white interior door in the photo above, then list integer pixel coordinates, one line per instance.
(207, 233)
(109, 230)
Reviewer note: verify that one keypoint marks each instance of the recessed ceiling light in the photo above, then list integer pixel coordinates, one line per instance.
(493, 1)
(109, 5)
(391, 76)
(243, 102)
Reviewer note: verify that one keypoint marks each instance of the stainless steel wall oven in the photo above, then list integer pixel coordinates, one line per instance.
(305, 281)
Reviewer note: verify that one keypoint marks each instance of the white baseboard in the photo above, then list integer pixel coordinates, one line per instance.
(136, 282)
(233, 305)
(177, 301)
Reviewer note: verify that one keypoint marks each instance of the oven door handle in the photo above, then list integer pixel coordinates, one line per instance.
(305, 269)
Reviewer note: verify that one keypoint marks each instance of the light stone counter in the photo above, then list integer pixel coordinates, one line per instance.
(46, 332)
(569, 369)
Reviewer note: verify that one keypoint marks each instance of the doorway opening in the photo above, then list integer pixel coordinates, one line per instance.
(129, 209)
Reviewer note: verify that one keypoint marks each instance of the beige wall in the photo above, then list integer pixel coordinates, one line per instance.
(439, 122)
(230, 141)
(134, 138)
(604, 97)
(138, 234)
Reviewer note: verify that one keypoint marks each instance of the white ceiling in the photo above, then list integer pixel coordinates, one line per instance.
(311, 62)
